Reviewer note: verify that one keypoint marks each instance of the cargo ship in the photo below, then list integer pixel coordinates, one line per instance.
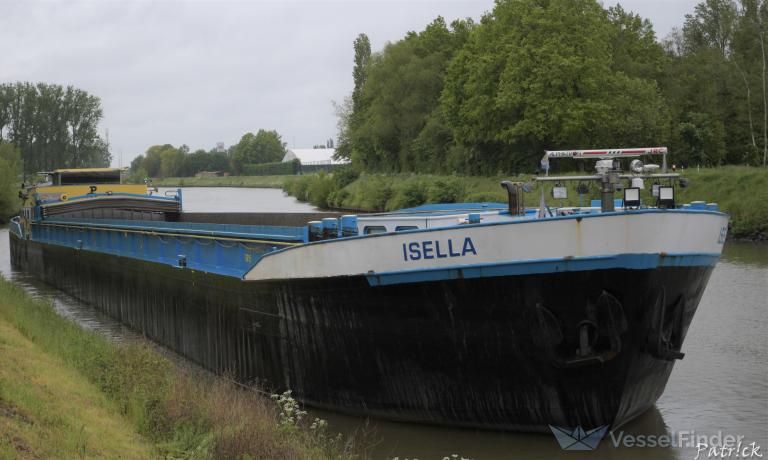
(488, 315)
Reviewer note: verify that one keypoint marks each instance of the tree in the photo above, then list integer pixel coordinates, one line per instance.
(712, 78)
(538, 74)
(10, 167)
(52, 126)
(200, 160)
(362, 47)
(160, 161)
(634, 48)
(354, 104)
(749, 57)
(263, 147)
(400, 97)
(711, 26)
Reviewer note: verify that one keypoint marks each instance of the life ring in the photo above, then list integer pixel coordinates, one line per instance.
(64, 197)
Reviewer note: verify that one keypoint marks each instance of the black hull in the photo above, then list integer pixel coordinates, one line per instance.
(496, 353)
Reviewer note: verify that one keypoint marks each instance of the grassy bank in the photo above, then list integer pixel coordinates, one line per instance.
(66, 393)
(49, 410)
(740, 191)
(229, 181)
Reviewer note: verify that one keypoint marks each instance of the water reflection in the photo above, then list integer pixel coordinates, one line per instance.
(746, 253)
(405, 440)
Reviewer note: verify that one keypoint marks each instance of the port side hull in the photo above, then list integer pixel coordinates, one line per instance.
(494, 352)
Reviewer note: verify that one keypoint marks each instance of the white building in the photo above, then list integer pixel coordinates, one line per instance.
(310, 157)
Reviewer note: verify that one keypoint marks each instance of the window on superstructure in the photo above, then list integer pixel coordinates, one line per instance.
(374, 229)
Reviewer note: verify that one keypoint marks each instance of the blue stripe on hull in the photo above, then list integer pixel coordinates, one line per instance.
(531, 267)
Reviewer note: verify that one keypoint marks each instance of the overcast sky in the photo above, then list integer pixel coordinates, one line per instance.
(202, 72)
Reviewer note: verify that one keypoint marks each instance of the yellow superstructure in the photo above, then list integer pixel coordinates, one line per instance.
(69, 183)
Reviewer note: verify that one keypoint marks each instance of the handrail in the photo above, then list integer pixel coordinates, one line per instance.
(16, 227)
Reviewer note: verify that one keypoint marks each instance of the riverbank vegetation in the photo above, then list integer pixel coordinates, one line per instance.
(741, 191)
(225, 181)
(49, 410)
(10, 167)
(243, 158)
(570, 75)
(66, 392)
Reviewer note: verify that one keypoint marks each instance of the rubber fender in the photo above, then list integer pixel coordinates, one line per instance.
(608, 314)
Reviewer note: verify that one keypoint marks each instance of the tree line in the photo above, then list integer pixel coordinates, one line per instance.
(490, 97)
(169, 161)
(52, 126)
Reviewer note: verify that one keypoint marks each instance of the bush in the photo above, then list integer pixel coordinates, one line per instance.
(372, 194)
(411, 193)
(298, 186)
(344, 175)
(449, 190)
(320, 189)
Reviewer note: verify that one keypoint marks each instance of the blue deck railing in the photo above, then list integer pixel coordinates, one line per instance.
(270, 232)
(15, 228)
(216, 248)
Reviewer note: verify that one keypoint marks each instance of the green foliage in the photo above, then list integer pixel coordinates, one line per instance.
(412, 193)
(273, 169)
(740, 191)
(52, 126)
(186, 416)
(344, 175)
(10, 168)
(362, 47)
(349, 111)
(263, 147)
(168, 161)
(634, 48)
(298, 186)
(400, 100)
(200, 160)
(318, 191)
(549, 74)
(378, 192)
(450, 190)
(550, 86)
(714, 85)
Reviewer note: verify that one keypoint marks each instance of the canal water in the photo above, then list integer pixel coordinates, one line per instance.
(719, 389)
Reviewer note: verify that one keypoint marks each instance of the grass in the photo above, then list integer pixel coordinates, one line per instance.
(740, 191)
(70, 393)
(229, 181)
(49, 410)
